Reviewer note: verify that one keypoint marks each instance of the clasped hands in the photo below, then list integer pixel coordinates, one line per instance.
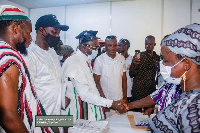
(121, 106)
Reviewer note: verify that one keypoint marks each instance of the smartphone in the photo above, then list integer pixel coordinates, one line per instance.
(137, 52)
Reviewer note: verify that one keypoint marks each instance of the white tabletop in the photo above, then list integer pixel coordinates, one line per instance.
(120, 123)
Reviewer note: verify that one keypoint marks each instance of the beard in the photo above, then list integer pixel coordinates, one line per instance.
(21, 47)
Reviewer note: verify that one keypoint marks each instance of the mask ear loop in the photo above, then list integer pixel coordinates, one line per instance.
(178, 62)
(184, 76)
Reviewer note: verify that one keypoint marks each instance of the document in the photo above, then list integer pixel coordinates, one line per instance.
(86, 126)
(142, 120)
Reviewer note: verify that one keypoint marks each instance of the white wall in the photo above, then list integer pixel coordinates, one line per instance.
(176, 15)
(6, 2)
(36, 13)
(133, 20)
(87, 17)
(195, 12)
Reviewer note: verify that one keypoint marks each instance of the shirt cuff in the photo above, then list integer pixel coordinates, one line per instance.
(108, 103)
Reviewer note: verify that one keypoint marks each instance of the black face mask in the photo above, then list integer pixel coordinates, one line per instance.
(52, 40)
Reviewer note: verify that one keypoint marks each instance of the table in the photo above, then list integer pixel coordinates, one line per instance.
(120, 123)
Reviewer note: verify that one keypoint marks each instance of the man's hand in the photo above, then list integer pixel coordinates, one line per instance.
(67, 100)
(120, 106)
(124, 100)
(107, 109)
(136, 59)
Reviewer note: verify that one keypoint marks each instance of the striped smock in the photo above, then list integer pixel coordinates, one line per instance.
(28, 103)
(79, 108)
(78, 85)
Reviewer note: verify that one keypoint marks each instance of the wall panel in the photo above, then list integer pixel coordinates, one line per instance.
(135, 20)
(176, 15)
(87, 17)
(196, 11)
(58, 11)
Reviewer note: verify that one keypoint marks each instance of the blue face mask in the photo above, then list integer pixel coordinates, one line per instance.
(93, 55)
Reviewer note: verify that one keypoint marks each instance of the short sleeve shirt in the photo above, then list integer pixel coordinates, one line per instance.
(111, 71)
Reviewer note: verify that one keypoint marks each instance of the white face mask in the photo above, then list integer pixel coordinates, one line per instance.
(166, 73)
(93, 55)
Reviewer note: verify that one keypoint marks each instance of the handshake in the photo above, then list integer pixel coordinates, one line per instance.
(120, 106)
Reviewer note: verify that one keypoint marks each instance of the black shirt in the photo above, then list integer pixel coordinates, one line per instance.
(144, 82)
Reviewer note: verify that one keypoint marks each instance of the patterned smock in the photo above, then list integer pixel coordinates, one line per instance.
(166, 94)
(182, 115)
(28, 103)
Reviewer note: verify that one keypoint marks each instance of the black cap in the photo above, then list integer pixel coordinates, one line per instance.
(87, 36)
(49, 20)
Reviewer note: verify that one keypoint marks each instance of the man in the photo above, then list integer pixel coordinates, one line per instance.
(65, 51)
(18, 99)
(86, 103)
(44, 65)
(143, 70)
(110, 72)
(99, 51)
(123, 47)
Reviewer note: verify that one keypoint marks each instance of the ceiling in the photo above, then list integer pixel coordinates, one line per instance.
(54, 3)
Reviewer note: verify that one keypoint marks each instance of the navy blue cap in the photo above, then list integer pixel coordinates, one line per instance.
(49, 20)
(87, 36)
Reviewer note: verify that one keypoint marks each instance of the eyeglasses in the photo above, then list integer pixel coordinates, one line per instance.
(91, 47)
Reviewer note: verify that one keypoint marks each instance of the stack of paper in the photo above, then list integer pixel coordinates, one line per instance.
(85, 126)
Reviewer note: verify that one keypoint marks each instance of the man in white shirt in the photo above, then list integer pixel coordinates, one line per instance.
(110, 72)
(77, 75)
(44, 65)
(123, 47)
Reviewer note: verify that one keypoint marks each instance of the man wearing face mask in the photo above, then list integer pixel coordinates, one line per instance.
(44, 65)
(77, 75)
(98, 52)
